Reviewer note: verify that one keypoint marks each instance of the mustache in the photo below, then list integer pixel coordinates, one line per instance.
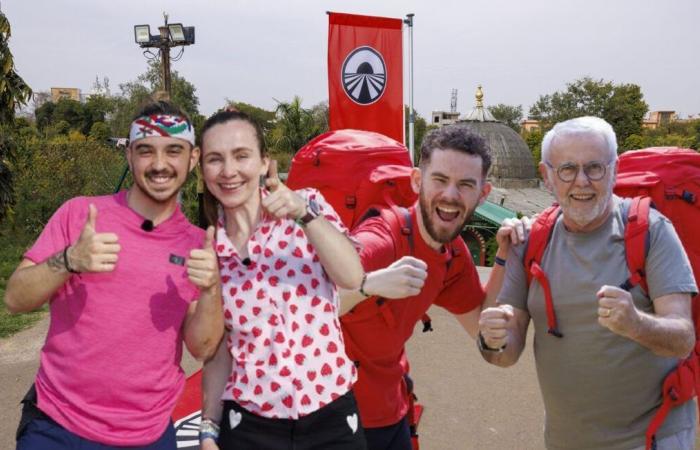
(159, 173)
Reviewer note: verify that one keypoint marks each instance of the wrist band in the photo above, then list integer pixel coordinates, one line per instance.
(500, 261)
(65, 261)
(208, 429)
(362, 286)
(483, 346)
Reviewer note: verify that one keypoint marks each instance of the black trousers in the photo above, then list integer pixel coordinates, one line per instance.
(336, 426)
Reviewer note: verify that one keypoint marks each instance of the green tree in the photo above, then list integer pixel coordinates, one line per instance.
(265, 118)
(99, 132)
(622, 105)
(533, 139)
(134, 94)
(14, 92)
(509, 115)
(294, 126)
(634, 142)
(420, 127)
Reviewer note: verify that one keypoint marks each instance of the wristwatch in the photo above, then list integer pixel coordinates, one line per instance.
(208, 430)
(312, 212)
(483, 346)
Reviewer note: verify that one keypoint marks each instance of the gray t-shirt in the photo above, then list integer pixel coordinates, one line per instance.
(600, 390)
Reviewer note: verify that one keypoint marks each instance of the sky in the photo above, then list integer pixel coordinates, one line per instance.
(259, 51)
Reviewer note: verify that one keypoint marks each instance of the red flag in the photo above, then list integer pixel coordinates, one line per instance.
(365, 74)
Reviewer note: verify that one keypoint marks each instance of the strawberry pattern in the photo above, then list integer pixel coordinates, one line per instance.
(280, 314)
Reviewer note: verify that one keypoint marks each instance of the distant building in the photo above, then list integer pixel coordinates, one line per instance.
(655, 119)
(528, 125)
(442, 118)
(58, 93)
(513, 166)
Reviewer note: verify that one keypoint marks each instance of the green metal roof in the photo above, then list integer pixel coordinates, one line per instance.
(494, 213)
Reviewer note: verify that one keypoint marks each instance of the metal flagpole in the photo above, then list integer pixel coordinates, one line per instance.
(411, 115)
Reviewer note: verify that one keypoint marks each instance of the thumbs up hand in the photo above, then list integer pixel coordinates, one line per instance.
(282, 202)
(203, 264)
(93, 251)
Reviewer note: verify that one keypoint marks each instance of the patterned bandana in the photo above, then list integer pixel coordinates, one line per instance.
(162, 125)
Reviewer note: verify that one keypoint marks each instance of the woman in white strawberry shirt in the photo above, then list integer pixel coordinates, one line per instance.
(281, 378)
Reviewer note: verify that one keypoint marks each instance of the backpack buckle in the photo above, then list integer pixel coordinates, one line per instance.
(350, 201)
(689, 197)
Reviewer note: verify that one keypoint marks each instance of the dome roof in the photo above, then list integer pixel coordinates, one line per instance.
(512, 165)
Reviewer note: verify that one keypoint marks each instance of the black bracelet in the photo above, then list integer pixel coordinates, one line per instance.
(65, 261)
(362, 285)
(483, 346)
(500, 261)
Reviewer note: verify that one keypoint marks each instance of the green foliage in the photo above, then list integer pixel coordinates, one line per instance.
(533, 139)
(684, 134)
(265, 118)
(294, 127)
(12, 247)
(509, 115)
(78, 116)
(622, 105)
(420, 128)
(491, 249)
(14, 92)
(136, 93)
(50, 172)
(99, 132)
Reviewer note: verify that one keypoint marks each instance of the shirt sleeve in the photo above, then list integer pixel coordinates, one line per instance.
(668, 269)
(56, 235)
(377, 249)
(465, 293)
(515, 290)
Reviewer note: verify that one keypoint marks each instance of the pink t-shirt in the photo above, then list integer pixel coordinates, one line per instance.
(281, 315)
(110, 367)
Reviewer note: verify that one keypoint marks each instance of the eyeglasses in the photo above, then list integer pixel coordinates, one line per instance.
(567, 172)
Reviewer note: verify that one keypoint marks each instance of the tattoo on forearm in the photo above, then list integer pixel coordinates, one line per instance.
(56, 263)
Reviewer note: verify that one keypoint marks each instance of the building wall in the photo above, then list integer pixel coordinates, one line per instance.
(58, 93)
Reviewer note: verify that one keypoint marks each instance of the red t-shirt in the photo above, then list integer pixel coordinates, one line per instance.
(375, 335)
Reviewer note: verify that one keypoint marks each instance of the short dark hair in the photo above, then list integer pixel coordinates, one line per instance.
(161, 107)
(220, 117)
(458, 138)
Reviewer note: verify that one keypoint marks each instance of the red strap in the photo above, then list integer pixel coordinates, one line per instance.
(539, 237)
(636, 232)
(537, 243)
(537, 272)
(681, 385)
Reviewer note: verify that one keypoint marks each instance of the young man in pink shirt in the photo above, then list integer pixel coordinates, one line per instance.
(128, 279)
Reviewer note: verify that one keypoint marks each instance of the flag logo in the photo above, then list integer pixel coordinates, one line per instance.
(364, 75)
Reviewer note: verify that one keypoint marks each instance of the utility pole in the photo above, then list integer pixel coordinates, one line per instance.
(411, 115)
(165, 45)
(170, 35)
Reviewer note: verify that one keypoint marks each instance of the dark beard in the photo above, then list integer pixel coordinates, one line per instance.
(432, 232)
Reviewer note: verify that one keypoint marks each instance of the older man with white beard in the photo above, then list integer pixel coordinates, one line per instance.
(601, 371)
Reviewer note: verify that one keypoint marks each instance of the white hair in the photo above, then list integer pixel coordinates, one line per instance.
(581, 125)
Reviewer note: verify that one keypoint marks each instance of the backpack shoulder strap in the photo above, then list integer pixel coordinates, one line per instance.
(399, 221)
(636, 239)
(537, 243)
(539, 236)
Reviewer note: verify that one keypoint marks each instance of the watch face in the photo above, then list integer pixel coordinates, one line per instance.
(313, 207)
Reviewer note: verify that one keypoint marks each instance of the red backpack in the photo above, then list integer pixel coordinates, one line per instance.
(354, 170)
(670, 178)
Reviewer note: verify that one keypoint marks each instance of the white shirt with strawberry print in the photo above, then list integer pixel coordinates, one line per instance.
(281, 316)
